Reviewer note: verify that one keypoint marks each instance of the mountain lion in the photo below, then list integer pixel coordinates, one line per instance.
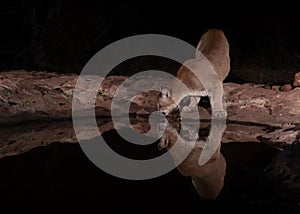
(212, 64)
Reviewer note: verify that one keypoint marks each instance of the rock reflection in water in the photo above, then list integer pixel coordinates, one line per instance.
(247, 180)
(207, 178)
(205, 164)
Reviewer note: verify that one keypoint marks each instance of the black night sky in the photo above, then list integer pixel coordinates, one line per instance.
(61, 35)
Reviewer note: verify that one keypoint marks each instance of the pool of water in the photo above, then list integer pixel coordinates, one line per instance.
(60, 176)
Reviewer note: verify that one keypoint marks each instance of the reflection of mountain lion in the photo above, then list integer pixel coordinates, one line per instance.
(214, 46)
(208, 179)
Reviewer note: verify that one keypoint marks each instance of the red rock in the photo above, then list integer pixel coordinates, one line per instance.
(286, 87)
(275, 87)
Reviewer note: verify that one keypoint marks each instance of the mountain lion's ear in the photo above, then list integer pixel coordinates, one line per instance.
(165, 92)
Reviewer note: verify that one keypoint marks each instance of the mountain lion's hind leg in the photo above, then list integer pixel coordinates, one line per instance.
(217, 103)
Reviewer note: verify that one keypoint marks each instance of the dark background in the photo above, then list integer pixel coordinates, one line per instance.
(61, 35)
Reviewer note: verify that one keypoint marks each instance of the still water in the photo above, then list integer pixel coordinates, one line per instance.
(58, 176)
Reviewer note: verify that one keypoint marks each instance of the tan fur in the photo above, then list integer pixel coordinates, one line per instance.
(214, 46)
(297, 80)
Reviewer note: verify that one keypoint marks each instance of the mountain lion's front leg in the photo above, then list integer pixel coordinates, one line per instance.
(193, 105)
